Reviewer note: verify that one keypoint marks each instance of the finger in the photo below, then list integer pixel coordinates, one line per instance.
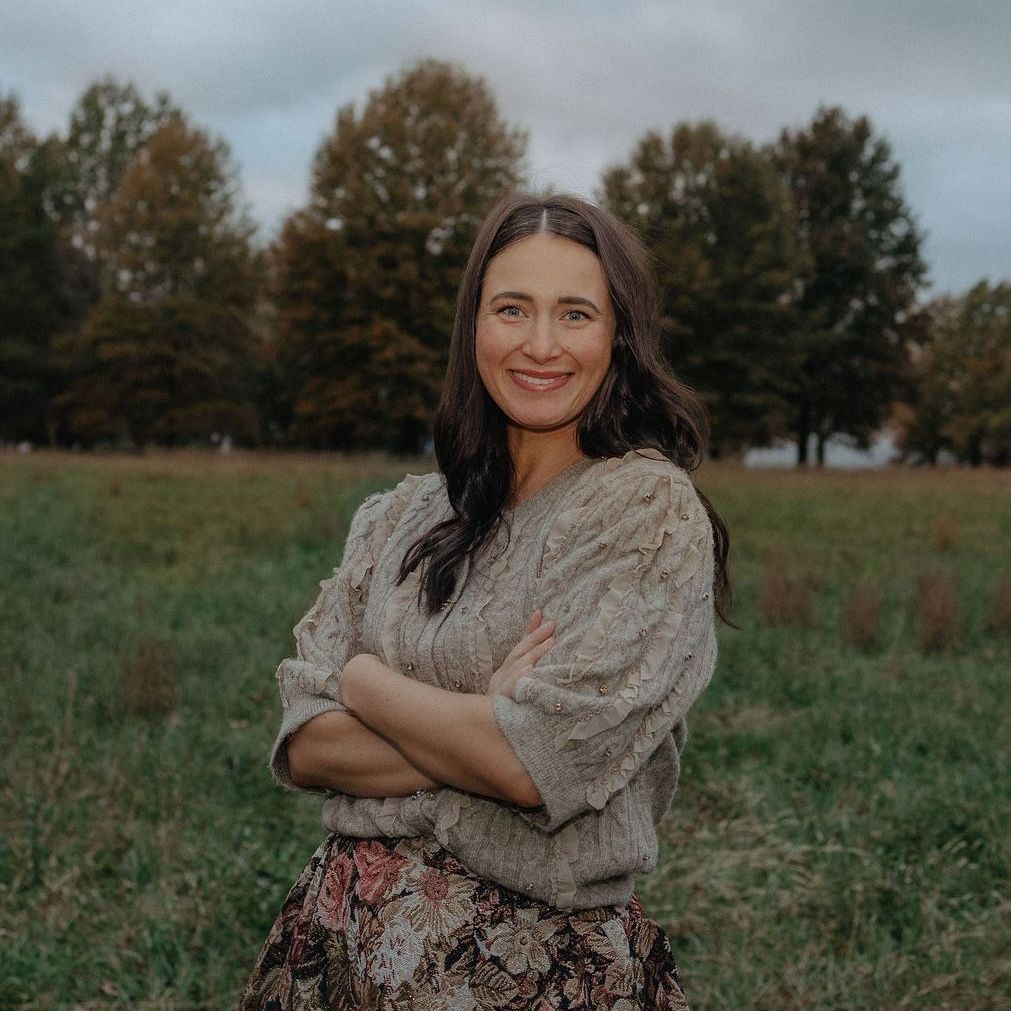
(535, 652)
(541, 649)
(539, 634)
(531, 638)
(534, 621)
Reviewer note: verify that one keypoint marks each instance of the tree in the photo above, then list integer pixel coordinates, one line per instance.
(720, 225)
(928, 408)
(109, 124)
(17, 142)
(962, 399)
(981, 427)
(30, 308)
(366, 274)
(864, 271)
(168, 353)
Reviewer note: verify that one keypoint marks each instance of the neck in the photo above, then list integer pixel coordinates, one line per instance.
(539, 456)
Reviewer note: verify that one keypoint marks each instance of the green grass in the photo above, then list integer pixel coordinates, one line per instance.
(838, 841)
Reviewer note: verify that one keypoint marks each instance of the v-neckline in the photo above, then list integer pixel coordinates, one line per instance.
(546, 487)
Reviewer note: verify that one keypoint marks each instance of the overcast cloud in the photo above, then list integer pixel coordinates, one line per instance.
(587, 80)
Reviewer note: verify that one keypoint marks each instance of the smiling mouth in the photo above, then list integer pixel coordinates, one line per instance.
(538, 384)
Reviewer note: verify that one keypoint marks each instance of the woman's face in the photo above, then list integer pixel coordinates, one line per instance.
(545, 326)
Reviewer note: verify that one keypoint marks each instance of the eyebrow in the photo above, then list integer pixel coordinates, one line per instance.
(520, 296)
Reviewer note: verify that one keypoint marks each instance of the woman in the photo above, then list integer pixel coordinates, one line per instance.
(491, 689)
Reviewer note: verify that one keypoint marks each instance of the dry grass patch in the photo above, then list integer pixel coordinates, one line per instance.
(148, 683)
(756, 717)
(303, 496)
(785, 597)
(946, 531)
(861, 617)
(937, 611)
(895, 667)
(157, 463)
(998, 612)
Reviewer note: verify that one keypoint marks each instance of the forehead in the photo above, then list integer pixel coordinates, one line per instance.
(545, 263)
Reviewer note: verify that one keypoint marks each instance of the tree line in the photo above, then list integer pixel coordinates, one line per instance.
(137, 306)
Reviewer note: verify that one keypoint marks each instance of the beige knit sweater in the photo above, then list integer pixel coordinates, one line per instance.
(620, 552)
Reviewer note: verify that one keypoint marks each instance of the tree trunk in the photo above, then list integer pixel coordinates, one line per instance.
(803, 432)
(975, 451)
(821, 450)
(802, 440)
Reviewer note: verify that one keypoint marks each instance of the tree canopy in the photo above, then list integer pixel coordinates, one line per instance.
(366, 274)
(136, 305)
(168, 352)
(720, 225)
(31, 307)
(110, 122)
(962, 399)
(862, 276)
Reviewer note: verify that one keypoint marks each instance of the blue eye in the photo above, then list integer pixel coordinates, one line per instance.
(579, 311)
(503, 309)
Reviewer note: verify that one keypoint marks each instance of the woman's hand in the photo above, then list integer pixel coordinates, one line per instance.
(522, 657)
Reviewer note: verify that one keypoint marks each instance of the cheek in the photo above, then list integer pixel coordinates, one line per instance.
(481, 349)
(598, 360)
(486, 355)
(490, 348)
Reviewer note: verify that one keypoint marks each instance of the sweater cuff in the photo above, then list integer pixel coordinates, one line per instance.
(531, 735)
(300, 712)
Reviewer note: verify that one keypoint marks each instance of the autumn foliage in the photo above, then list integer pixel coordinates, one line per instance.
(138, 307)
(365, 275)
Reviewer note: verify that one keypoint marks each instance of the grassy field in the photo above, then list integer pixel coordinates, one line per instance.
(839, 839)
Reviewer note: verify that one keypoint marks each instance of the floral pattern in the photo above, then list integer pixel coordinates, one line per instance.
(399, 924)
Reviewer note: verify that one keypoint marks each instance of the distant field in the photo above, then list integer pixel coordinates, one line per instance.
(839, 839)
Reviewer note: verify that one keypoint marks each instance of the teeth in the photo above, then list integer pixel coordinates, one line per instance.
(537, 381)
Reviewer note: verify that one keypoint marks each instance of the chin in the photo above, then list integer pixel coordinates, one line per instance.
(542, 422)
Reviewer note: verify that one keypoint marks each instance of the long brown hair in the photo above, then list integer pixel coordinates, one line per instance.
(639, 404)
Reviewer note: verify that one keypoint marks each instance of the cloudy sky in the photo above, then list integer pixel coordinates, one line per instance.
(586, 79)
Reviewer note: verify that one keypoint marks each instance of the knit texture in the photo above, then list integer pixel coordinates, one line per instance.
(619, 552)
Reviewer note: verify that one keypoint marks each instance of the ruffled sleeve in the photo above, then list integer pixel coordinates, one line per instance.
(329, 634)
(629, 580)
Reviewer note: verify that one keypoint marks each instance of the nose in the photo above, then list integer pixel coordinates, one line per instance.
(541, 342)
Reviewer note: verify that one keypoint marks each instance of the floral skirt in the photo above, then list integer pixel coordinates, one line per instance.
(399, 924)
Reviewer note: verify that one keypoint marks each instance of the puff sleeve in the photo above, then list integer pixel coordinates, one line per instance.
(629, 580)
(328, 635)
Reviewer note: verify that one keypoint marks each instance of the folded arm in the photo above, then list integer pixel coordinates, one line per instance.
(407, 736)
(319, 746)
(572, 734)
(638, 564)
(452, 737)
(334, 750)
